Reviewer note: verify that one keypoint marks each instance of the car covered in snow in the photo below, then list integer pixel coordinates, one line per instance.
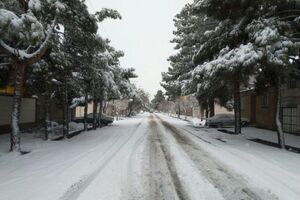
(221, 120)
(105, 119)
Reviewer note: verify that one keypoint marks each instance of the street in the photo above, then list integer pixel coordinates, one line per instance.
(150, 156)
(106, 100)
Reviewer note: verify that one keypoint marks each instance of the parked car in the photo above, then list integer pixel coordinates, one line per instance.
(221, 120)
(105, 119)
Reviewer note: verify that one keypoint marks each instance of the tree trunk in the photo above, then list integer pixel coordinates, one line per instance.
(129, 111)
(237, 108)
(104, 106)
(47, 116)
(95, 106)
(85, 112)
(206, 112)
(211, 107)
(201, 110)
(179, 111)
(114, 108)
(65, 112)
(100, 113)
(15, 136)
(280, 133)
(67, 115)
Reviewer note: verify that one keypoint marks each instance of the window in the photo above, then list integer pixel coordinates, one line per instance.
(265, 100)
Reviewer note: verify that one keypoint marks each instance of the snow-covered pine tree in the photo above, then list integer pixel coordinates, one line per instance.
(230, 34)
(158, 98)
(76, 53)
(181, 63)
(103, 80)
(26, 28)
(241, 54)
(274, 35)
(190, 39)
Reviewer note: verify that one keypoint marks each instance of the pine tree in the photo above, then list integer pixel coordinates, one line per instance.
(44, 29)
(158, 98)
(26, 30)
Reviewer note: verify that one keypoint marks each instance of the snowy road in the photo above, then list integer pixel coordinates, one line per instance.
(229, 184)
(147, 157)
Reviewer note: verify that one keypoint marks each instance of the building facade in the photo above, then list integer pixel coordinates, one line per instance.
(260, 109)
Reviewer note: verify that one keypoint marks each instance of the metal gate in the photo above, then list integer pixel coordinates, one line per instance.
(290, 120)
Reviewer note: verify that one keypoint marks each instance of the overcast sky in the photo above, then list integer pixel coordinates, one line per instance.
(143, 34)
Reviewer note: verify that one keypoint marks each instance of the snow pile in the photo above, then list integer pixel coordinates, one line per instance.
(198, 122)
(56, 129)
(76, 126)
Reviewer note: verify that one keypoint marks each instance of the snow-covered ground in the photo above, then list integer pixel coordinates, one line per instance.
(65, 169)
(275, 170)
(148, 157)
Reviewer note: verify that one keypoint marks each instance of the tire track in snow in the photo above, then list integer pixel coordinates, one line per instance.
(230, 184)
(77, 188)
(162, 182)
(181, 192)
(186, 176)
(131, 187)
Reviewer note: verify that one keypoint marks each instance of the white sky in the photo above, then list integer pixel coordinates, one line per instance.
(143, 34)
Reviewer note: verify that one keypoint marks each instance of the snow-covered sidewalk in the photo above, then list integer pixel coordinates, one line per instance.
(251, 132)
(269, 135)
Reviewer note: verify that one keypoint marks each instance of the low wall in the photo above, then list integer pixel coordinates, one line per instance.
(27, 114)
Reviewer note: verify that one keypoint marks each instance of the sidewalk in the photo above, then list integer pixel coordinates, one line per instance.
(251, 132)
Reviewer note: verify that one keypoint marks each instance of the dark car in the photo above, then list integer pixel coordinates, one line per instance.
(221, 120)
(105, 119)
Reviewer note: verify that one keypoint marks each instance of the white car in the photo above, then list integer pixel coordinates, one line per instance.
(221, 120)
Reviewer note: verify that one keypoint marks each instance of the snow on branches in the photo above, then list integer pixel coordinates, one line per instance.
(31, 28)
(107, 13)
(242, 56)
(272, 38)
